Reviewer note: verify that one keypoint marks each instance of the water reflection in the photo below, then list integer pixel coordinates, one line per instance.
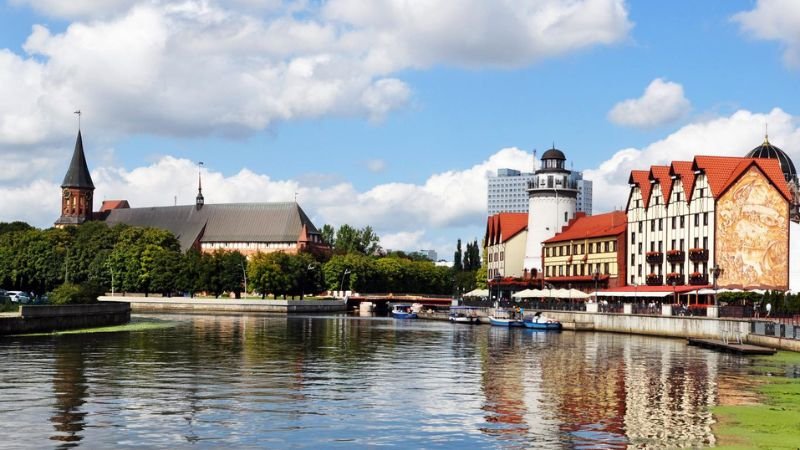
(70, 391)
(339, 381)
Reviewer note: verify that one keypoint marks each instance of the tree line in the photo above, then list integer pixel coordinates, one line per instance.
(149, 260)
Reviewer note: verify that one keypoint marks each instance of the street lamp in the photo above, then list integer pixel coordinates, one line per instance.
(244, 274)
(341, 286)
(715, 271)
(596, 278)
(497, 283)
(674, 294)
(303, 285)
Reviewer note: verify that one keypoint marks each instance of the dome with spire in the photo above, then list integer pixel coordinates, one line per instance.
(767, 150)
(554, 153)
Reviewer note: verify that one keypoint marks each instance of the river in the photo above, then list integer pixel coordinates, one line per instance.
(341, 381)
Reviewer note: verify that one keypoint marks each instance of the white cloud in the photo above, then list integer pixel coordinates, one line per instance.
(733, 135)
(775, 20)
(376, 165)
(195, 67)
(662, 102)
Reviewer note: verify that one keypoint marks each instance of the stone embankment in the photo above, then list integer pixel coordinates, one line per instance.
(227, 305)
(42, 319)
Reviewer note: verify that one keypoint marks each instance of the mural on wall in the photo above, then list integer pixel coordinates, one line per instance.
(752, 238)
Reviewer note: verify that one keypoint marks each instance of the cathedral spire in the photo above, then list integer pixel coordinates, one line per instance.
(78, 173)
(76, 189)
(199, 201)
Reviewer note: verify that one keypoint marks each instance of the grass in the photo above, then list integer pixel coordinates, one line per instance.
(136, 324)
(773, 424)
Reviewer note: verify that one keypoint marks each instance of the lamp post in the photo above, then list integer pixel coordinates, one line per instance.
(715, 273)
(674, 294)
(341, 286)
(244, 274)
(497, 284)
(596, 278)
(303, 285)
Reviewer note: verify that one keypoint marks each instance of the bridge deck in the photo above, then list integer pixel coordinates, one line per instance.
(742, 349)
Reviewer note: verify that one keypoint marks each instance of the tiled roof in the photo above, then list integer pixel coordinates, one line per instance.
(683, 170)
(661, 175)
(233, 222)
(108, 205)
(504, 226)
(722, 172)
(641, 179)
(608, 224)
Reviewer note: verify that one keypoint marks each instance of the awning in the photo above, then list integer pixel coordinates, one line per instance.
(630, 294)
(477, 293)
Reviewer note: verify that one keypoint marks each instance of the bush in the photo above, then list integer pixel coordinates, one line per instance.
(73, 294)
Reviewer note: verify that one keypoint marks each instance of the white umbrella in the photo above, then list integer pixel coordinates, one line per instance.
(578, 295)
(523, 294)
(477, 293)
(560, 293)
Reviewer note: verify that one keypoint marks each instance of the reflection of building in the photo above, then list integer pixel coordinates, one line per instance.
(686, 217)
(589, 249)
(505, 238)
(246, 227)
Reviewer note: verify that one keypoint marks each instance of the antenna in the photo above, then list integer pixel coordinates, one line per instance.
(534, 160)
(766, 132)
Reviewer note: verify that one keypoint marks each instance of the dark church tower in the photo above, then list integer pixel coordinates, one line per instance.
(76, 190)
(199, 201)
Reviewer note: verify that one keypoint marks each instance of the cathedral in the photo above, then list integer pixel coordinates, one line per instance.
(246, 227)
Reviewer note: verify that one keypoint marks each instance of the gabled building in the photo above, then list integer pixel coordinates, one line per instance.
(588, 253)
(505, 239)
(687, 218)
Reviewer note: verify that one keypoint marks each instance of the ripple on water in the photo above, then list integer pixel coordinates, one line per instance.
(338, 381)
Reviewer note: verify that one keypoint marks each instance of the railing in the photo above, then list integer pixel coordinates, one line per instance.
(654, 257)
(698, 280)
(646, 310)
(698, 255)
(613, 307)
(740, 312)
(676, 256)
(675, 278)
(689, 311)
(779, 329)
(655, 280)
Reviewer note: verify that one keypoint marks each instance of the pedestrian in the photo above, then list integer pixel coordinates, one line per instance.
(769, 308)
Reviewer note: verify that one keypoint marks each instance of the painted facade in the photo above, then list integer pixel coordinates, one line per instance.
(753, 234)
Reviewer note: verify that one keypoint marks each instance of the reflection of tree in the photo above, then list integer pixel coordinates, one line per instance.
(69, 384)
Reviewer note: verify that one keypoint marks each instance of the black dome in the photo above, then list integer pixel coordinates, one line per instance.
(767, 150)
(554, 153)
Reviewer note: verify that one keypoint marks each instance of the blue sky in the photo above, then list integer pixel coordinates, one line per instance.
(388, 115)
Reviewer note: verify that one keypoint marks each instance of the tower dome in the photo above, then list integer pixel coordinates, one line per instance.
(554, 153)
(767, 150)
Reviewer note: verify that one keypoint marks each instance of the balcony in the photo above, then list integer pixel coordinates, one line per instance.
(676, 256)
(697, 278)
(675, 278)
(655, 280)
(698, 254)
(654, 257)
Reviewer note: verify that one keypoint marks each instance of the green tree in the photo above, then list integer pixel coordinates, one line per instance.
(328, 234)
(457, 258)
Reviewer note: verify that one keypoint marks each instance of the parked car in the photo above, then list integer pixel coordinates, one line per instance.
(19, 296)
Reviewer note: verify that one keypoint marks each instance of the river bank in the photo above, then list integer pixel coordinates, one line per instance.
(227, 305)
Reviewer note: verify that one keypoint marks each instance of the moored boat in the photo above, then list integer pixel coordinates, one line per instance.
(403, 312)
(464, 314)
(505, 318)
(540, 322)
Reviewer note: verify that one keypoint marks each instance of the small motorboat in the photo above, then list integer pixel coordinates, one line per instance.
(403, 312)
(540, 322)
(464, 314)
(505, 318)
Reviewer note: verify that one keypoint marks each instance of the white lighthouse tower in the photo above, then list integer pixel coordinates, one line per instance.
(553, 199)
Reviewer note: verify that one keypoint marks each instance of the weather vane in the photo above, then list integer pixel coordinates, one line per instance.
(78, 112)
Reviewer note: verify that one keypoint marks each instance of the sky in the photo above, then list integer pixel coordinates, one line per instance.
(388, 113)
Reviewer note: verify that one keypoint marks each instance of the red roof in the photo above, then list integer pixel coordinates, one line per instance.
(641, 179)
(504, 226)
(666, 289)
(683, 170)
(722, 172)
(661, 175)
(602, 277)
(108, 205)
(608, 224)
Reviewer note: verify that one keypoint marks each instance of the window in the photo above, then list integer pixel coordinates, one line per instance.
(674, 221)
(696, 242)
(673, 245)
(607, 247)
(633, 237)
(678, 196)
(681, 244)
(640, 248)
(641, 225)
(705, 218)
(560, 270)
(633, 259)
(682, 221)
(702, 192)
(567, 249)
(705, 242)
(566, 218)
(660, 246)
(652, 246)
(605, 268)
(490, 257)
(660, 224)
(640, 270)
(653, 225)
(633, 279)
(501, 256)
(697, 219)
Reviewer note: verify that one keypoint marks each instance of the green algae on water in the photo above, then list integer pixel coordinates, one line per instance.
(775, 422)
(136, 324)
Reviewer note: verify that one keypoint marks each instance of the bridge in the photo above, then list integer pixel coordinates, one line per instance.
(381, 301)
